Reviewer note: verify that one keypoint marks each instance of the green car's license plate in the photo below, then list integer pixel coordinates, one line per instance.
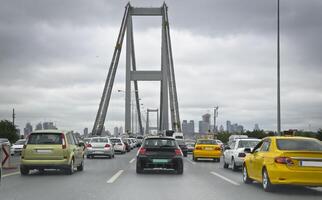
(160, 161)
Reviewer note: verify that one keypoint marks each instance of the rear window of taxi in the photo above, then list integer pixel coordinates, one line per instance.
(211, 142)
(298, 145)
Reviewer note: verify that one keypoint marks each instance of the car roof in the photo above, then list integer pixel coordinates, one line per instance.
(290, 137)
(50, 131)
(158, 137)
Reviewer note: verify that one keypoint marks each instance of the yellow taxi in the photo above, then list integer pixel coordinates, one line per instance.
(207, 148)
(281, 160)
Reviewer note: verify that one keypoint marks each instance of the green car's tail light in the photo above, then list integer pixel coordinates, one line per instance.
(63, 141)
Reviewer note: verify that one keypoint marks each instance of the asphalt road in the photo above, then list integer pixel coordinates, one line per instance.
(116, 178)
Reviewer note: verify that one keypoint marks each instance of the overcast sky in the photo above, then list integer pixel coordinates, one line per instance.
(54, 58)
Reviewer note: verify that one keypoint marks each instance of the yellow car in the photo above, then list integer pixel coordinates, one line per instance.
(284, 160)
(206, 148)
(52, 149)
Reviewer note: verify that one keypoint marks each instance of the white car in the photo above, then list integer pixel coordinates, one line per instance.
(119, 145)
(17, 147)
(234, 154)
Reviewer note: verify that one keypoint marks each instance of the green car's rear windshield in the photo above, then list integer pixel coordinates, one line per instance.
(159, 143)
(298, 145)
(45, 138)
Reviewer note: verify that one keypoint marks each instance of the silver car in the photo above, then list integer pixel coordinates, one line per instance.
(100, 146)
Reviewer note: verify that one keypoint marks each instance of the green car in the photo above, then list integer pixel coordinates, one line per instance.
(52, 149)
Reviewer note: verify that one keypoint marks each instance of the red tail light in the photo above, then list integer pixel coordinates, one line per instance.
(63, 141)
(178, 152)
(107, 146)
(142, 151)
(88, 145)
(241, 155)
(217, 148)
(198, 148)
(284, 160)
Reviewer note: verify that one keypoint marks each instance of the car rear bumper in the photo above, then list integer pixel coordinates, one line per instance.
(206, 154)
(295, 177)
(48, 164)
(102, 152)
(148, 163)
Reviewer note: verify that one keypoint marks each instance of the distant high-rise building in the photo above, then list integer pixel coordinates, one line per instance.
(234, 128)
(27, 130)
(256, 128)
(191, 126)
(116, 131)
(121, 130)
(85, 131)
(204, 125)
(184, 127)
(228, 126)
(38, 126)
(49, 126)
(206, 118)
(221, 129)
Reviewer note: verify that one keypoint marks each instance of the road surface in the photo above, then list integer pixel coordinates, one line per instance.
(116, 179)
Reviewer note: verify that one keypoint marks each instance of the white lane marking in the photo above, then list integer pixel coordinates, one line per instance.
(11, 174)
(224, 178)
(113, 178)
(190, 161)
(132, 160)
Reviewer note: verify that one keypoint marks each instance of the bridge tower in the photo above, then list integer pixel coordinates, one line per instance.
(168, 91)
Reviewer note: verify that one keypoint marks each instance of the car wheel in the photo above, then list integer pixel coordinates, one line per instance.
(88, 156)
(70, 169)
(180, 168)
(246, 178)
(194, 158)
(139, 169)
(233, 165)
(225, 164)
(266, 183)
(185, 155)
(218, 159)
(24, 170)
(81, 166)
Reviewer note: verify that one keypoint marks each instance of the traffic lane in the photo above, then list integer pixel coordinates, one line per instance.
(51, 185)
(246, 191)
(163, 185)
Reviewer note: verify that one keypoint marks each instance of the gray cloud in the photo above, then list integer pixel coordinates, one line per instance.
(54, 57)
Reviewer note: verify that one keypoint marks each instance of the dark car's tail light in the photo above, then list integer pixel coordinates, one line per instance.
(107, 146)
(88, 145)
(142, 151)
(178, 152)
(217, 148)
(63, 141)
(241, 155)
(284, 160)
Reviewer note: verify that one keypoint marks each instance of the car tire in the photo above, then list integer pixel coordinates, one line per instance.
(179, 168)
(234, 167)
(225, 164)
(139, 169)
(185, 155)
(70, 169)
(194, 158)
(81, 166)
(24, 170)
(246, 178)
(88, 156)
(266, 183)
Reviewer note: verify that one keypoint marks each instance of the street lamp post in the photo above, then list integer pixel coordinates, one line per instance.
(278, 72)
